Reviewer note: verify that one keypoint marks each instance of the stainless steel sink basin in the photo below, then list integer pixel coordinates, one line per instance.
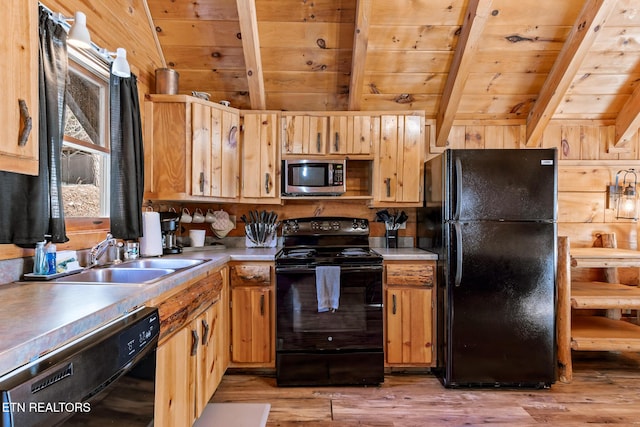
(117, 275)
(172, 263)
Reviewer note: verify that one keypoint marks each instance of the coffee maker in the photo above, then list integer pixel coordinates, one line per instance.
(169, 223)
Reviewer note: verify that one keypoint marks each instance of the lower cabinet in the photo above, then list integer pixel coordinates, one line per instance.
(252, 320)
(192, 357)
(409, 315)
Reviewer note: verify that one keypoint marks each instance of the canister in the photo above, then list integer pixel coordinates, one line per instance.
(167, 81)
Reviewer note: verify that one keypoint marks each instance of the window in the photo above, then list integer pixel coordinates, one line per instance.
(85, 148)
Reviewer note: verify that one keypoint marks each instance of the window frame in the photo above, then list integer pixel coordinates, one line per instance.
(95, 68)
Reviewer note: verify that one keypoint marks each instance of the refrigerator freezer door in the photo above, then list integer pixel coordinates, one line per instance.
(510, 185)
(499, 304)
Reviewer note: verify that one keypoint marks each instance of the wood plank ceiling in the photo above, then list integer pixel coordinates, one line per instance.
(526, 60)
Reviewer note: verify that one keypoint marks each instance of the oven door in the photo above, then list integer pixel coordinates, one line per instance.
(355, 325)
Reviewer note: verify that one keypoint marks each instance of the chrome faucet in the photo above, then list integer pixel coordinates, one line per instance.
(99, 250)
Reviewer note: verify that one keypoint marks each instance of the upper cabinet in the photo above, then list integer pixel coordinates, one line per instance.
(304, 134)
(192, 149)
(260, 160)
(19, 110)
(345, 134)
(399, 162)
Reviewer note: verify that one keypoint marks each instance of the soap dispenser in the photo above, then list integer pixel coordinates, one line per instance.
(51, 259)
(40, 260)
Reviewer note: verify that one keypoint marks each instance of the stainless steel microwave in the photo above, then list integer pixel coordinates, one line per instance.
(313, 177)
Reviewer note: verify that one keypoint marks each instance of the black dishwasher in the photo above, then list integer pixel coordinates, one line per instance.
(107, 377)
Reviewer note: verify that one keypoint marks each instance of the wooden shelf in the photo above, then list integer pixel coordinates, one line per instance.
(594, 333)
(604, 258)
(604, 295)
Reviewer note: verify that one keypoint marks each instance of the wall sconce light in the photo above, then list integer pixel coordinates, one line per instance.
(78, 33)
(624, 197)
(120, 66)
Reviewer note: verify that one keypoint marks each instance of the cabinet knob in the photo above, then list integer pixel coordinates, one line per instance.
(336, 142)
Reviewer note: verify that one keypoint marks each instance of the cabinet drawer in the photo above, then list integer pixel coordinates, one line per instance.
(410, 274)
(250, 275)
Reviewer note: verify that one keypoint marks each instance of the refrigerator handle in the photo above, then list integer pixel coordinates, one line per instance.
(458, 236)
(458, 191)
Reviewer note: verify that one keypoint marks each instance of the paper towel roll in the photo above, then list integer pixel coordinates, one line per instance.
(151, 240)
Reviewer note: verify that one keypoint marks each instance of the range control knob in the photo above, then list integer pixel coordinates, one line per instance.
(355, 224)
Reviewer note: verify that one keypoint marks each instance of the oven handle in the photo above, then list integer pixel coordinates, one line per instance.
(312, 269)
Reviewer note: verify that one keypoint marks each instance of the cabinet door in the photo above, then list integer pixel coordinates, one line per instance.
(201, 143)
(303, 134)
(225, 162)
(409, 326)
(250, 325)
(338, 134)
(174, 381)
(400, 160)
(260, 168)
(207, 356)
(363, 134)
(19, 66)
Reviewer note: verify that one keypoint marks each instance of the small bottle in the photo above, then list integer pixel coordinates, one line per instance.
(51, 259)
(40, 259)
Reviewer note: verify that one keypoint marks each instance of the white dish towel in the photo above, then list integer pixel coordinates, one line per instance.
(328, 287)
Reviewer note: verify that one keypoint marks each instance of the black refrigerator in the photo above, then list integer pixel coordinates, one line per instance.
(490, 215)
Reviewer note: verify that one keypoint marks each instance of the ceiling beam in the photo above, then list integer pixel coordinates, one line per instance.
(628, 120)
(251, 49)
(592, 17)
(359, 54)
(474, 21)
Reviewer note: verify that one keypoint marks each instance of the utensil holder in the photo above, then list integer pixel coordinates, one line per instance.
(270, 242)
(391, 238)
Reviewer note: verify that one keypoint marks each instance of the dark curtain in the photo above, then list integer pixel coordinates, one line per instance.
(31, 207)
(127, 159)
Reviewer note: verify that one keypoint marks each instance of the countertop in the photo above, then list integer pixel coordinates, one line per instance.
(37, 317)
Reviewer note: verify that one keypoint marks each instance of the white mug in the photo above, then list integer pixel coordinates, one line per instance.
(209, 217)
(197, 237)
(186, 217)
(198, 217)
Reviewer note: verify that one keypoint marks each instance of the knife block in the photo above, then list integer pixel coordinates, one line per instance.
(270, 241)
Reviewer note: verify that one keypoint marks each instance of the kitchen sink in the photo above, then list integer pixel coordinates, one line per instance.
(172, 263)
(117, 275)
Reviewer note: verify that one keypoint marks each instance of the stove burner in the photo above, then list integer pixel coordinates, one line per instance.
(354, 252)
(300, 253)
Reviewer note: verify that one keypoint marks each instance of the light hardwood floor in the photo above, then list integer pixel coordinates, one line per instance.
(605, 390)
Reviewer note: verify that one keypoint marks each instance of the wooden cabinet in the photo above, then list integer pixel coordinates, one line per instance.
(399, 162)
(193, 352)
(304, 133)
(191, 149)
(252, 320)
(260, 157)
(19, 110)
(410, 315)
(353, 135)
